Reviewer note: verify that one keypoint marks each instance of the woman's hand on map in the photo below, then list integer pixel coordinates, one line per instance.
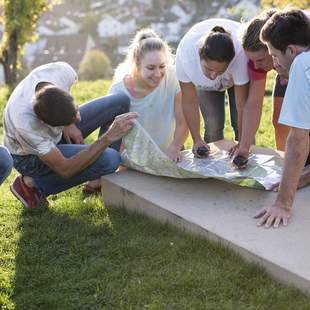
(240, 156)
(234, 149)
(201, 149)
(173, 152)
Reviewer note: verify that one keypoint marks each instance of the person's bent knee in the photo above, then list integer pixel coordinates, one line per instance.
(6, 158)
(109, 161)
(124, 102)
(6, 163)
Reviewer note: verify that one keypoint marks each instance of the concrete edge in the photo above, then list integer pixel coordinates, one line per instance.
(130, 201)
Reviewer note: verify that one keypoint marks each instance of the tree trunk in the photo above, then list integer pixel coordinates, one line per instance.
(9, 59)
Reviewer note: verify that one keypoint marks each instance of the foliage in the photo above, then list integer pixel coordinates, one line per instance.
(283, 3)
(19, 21)
(95, 65)
(89, 25)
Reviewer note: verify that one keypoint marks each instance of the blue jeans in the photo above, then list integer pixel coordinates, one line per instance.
(98, 113)
(6, 163)
(212, 106)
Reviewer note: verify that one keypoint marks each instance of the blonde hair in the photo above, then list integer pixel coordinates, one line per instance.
(145, 40)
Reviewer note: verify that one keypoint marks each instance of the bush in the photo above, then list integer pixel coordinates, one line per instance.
(95, 65)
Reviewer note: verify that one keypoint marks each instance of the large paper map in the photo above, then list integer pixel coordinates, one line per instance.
(142, 154)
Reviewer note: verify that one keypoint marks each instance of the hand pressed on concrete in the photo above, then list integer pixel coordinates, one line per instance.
(274, 216)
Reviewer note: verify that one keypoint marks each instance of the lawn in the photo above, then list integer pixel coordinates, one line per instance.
(77, 254)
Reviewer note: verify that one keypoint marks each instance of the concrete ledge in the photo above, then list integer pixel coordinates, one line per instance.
(221, 212)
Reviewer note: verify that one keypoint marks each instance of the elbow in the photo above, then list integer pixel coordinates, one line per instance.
(298, 143)
(64, 171)
(66, 175)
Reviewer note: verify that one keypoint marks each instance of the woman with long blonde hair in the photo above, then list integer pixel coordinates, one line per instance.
(147, 76)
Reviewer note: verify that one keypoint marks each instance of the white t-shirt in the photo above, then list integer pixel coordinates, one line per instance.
(156, 110)
(188, 68)
(24, 133)
(295, 111)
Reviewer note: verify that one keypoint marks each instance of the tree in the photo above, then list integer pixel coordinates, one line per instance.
(283, 3)
(95, 65)
(19, 20)
(89, 25)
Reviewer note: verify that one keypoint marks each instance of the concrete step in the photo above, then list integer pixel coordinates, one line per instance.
(221, 212)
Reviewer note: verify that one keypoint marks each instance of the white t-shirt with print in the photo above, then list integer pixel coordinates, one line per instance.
(295, 111)
(188, 68)
(156, 110)
(24, 133)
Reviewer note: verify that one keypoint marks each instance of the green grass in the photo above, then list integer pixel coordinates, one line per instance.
(79, 255)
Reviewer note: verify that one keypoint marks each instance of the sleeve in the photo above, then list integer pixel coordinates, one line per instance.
(239, 69)
(255, 74)
(173, 81)
(295, 110)
(34, 144)
(180, 72)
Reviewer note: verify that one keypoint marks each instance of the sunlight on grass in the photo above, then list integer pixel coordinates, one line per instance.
(77, 254)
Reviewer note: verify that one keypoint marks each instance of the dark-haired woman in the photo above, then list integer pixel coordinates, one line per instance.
(209, 61)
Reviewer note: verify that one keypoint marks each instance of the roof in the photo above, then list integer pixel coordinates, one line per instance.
(70, 49)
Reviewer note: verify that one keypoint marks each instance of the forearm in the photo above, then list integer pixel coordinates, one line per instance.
(192, 116)
(68, 167)
(295, 156)
(304, 179)
(240, 121)
(190, 107)
(180, 135)
(241, 95)
(250, 123)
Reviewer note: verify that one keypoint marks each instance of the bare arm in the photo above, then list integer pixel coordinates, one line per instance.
(68, 167)
(241, 94)
(181, 130)
(251, 115)
(297, 150)
(190, 107)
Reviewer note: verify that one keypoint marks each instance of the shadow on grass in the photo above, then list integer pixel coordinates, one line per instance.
(79, 256)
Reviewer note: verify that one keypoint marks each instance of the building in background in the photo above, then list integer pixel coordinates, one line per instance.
(75, 26)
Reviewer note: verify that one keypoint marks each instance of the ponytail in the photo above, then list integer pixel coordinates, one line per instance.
(218, 46)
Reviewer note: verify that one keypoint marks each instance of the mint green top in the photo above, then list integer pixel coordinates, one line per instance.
(156, 110)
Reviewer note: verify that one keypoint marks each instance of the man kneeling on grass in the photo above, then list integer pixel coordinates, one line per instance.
(44, 131)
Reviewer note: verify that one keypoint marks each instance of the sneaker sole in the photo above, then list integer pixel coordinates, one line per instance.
(19, 197)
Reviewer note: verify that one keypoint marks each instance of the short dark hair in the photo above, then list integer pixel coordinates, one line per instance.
(218, 46)
(290, 26)
(250, 40)
(54, 106)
